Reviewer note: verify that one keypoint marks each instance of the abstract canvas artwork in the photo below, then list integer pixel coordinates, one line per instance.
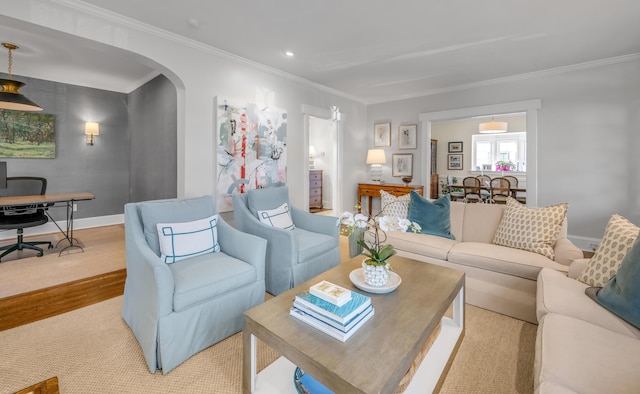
(27, 135)
(251, 149)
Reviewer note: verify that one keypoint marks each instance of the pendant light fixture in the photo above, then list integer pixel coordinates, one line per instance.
(492, 127)
(10, 97)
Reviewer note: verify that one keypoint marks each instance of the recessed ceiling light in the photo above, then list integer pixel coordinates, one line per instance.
(193, 22)
(289, 53)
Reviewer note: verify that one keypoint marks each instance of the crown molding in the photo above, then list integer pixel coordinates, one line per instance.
(112, 17)
(519, 77)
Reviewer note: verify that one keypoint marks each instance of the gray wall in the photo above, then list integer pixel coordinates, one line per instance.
(588, 136)
(103, 168)
(152, 124)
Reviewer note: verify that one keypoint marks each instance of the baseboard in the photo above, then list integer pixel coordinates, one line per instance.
(50, 227)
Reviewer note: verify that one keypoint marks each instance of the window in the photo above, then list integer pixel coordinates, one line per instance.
(487, 149)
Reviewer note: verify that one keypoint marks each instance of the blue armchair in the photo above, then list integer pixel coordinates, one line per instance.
(293, 255)
(176, 310)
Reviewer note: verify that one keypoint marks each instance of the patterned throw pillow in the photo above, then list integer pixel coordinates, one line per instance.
(531, 229)
(278, 217)
(619, 236)
(397, 207)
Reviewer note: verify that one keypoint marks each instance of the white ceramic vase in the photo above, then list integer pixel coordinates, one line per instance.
(376, 275)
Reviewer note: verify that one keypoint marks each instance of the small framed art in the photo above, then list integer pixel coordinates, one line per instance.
(402, 164)
(382, 134)
(455, 147)
(454, 162)
(407, 136)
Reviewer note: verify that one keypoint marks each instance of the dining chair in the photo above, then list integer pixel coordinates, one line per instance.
(514, 184)
(455, 190)
(471, 187)
(500, 190)
(485, 186)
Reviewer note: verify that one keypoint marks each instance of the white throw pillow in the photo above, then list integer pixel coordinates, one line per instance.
(179, 241)
(397, 207)
(278, 217)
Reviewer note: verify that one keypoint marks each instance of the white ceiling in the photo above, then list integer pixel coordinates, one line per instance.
(374, 50)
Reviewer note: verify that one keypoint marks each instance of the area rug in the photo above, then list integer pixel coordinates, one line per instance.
(92, 350)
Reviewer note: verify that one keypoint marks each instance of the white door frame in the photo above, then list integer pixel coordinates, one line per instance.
(531, 108)
(336, 179)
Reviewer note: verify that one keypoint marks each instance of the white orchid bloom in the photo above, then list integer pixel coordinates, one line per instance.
(404, 224)
(388, 223)
(361, 220)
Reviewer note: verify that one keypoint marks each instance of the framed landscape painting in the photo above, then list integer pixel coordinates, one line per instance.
(27, 135)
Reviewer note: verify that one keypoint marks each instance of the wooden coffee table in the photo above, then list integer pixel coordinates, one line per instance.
(378, 355)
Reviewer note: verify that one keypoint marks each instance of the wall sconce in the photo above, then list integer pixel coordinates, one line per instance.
(91, 129)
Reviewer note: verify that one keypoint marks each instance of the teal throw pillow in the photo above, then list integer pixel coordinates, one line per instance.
(621, 295)
(434, 217)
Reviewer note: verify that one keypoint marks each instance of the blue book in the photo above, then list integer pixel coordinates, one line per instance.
(312, 386)
(342, 327)
(327, 329)
(341, 314)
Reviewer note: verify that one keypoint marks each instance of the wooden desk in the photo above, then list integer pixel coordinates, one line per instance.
(373, 190)
(49, 199)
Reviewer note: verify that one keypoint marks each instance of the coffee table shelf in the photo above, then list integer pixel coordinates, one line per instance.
(277, 378)
(410, 314)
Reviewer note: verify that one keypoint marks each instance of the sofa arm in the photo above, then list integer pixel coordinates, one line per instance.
(566, 252)
(315, 223)
(243, 246)
(576, 268)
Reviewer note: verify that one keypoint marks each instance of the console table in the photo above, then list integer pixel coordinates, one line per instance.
(373, 190)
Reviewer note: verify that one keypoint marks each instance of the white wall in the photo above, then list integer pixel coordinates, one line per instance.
(200, 74)
(588, 136)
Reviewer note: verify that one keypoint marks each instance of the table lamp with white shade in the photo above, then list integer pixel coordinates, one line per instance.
(376, 158)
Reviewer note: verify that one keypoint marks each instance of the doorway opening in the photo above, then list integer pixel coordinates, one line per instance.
(322, 132)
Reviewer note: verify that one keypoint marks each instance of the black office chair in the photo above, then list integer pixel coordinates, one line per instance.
(21, 217)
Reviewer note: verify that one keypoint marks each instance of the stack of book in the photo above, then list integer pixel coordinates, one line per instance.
(332, 309)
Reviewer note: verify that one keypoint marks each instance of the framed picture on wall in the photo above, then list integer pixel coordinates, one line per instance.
(407, 136)
(382, 134)
(455, 147)
(454, 162)
(402, 164)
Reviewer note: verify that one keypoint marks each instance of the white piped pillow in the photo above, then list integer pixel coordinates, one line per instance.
(278, 217)
(179, 241)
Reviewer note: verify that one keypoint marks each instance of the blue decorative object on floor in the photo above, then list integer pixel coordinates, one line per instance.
(306, 384)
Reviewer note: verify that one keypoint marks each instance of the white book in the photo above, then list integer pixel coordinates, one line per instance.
(330, 292)
(327, 329)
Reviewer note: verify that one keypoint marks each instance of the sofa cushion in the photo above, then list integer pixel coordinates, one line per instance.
(532, 229)
(557, 293)
(618, 237)
(481, 222)
(433, 217)
(621, 295)
(312, 244)
(585, 358)
(279, 217)
(393, 206)
(510, 261)
(423, 244)
(172, 211)
(203, 277)
(179, 241)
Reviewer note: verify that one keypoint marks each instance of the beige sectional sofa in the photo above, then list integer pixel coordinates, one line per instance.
(498, 278)
(581, 347)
